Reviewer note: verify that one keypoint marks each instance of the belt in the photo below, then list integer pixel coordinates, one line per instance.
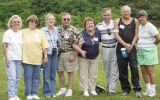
(109, 46)
(62, 51)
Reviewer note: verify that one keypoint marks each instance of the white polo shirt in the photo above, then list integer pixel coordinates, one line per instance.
(107, 33)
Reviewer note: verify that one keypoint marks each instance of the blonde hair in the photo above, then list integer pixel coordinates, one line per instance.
(125, 7)
(10, 21)
(48, 15)
(106, 9)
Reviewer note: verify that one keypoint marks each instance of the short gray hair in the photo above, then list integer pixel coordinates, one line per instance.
(125, 7)
(142, 13)
(10, 21)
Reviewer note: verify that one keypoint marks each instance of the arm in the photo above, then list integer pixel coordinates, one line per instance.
(157, 37)
(45, 56)
(79, 50)
(118, 38)
(4, 47)
(136, 33)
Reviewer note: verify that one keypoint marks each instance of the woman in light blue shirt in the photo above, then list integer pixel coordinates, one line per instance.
(50, 68)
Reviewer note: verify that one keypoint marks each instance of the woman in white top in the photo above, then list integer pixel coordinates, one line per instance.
(147, 51)
(12, 50)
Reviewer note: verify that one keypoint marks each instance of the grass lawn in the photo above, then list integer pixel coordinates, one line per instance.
(78, 95)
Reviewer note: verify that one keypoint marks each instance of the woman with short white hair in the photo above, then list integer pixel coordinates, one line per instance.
(12, 50)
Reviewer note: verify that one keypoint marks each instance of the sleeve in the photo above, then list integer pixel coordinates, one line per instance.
(44, 42)
(80, 39)
(153, 30)
(6, 37)
(76, 36)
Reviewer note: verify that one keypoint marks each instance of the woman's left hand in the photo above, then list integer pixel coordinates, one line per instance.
(45, 60)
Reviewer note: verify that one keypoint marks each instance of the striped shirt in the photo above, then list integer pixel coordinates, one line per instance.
(107, 34)
(146, 35)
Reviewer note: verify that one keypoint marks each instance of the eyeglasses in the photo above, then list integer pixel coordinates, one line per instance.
(33, 22)
(66, 19)
(15, 22)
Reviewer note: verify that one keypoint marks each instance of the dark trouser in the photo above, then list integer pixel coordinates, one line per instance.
(123, 70)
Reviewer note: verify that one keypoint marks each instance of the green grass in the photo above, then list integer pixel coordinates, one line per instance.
(78, 95)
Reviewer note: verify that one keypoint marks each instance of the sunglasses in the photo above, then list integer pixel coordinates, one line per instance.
(66, 19)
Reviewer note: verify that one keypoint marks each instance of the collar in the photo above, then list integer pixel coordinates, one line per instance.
(110, 23)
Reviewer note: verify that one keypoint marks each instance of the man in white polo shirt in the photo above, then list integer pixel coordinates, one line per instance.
(109, 50)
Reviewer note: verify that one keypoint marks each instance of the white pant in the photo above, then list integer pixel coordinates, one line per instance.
(111, 68)
(13, 72)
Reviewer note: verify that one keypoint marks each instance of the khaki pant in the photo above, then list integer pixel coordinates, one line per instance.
(88, 69)
(65, 65)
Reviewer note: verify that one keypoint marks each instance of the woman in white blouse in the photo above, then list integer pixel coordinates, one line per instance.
(147, 51)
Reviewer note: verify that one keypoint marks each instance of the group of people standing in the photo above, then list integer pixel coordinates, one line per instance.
(65, 48)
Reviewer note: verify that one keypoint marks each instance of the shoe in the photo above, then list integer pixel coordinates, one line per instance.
(11, 98)
(62, 91)
(93, 92)
(146, 92)
(138, 94)
(53, 96)
(112, 93)
(29, 97)
(69, 93)
(35, 97)
(17, 98)
(86, 93)
(152, 94)
(125, 93)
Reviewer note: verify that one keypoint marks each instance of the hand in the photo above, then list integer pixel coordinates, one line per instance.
(45, 60)
(83, 53)
(71, 57)
(128, 47)
(7, 61)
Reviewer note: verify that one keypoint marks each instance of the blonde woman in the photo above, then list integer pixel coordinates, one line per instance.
(49, 72)
(12, 50)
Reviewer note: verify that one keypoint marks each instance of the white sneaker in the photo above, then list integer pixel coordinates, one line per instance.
(152, 93)
(93, 92)
(35, 97)
(17, 98)
(11, 98)
(86, 93)
(62, 91)
(29, 97)
(69, 93)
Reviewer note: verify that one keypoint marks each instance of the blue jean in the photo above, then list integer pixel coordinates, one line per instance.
(31, 78)
(49, 74)
(13, 71)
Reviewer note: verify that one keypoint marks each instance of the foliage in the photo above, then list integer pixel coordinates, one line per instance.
(78, 8)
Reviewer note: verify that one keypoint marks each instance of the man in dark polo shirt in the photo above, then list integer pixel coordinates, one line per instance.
(126, 33)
